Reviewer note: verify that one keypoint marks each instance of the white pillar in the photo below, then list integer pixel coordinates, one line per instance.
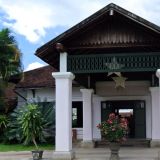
(158, 75)
(155, 95)
(96, 117)
(87, 118)
(63, 62)
(63, 148)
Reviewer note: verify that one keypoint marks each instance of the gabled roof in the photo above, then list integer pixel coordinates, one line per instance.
(48, 51)
(38, 78)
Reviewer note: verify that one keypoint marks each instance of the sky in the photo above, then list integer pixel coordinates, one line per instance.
(34, 23)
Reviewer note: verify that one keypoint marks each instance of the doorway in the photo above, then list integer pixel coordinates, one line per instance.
(133, 110)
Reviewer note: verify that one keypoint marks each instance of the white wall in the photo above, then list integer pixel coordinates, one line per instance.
(49, 94)
(105, 91)
(42, 93)
(132, 88)
(21, 101)
(76, 94)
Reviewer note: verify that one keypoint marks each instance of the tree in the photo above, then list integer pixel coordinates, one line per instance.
(10, 60)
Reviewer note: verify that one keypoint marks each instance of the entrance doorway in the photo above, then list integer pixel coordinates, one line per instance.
(133, 110)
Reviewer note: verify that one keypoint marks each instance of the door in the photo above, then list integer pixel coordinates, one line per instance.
(133, 110)
(106, 109)
(140, 124)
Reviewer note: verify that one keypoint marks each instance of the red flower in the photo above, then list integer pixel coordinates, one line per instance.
(109, 121)
(114, 129)
(123, 120)
(112, 116)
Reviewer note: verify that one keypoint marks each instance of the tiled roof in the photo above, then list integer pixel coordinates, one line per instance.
(40, 77)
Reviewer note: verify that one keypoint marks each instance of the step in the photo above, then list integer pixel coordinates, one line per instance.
(129, 142)
(120, 158)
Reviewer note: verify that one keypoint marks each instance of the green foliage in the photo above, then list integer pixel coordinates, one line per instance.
(20, 147)
(10, 61)
(14, 129)
(3, 121)
(31, 122)
(3, 125)
(48, 111)
(10, 56)
(114, 129)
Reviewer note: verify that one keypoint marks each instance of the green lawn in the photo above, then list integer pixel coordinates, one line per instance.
(21, 147)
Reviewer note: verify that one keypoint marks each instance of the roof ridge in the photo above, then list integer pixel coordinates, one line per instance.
(95, 16)
(39, 68)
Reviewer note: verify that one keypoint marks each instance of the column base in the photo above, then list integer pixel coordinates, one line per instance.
(155, 143)
(63, 155)
(87, 144)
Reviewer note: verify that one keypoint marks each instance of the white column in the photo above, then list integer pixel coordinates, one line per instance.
(96, 116)
(158, 75)
(155, 95)
(63, 148)
(87, 117)
(63, 62)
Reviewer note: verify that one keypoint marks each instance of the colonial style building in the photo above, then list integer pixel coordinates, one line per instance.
(113, 55)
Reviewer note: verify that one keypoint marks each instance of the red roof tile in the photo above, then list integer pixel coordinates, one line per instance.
(40, 77)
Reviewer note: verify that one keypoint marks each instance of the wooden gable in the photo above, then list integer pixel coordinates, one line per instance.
(110, 30)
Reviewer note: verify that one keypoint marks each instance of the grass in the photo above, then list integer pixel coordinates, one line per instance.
(21, 147)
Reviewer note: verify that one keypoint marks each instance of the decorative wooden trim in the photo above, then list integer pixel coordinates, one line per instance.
(98, 63)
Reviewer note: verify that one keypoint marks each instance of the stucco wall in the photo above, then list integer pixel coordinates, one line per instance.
(49, 94)
(132, 88)
(104, 91)
(42, 94)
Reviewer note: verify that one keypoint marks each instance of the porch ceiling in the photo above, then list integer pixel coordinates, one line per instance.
(89, 80)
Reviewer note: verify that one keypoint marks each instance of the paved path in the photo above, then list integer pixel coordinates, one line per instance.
(22, 155)
(130, 153)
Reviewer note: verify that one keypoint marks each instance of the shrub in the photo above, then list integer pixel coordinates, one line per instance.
(114, 129)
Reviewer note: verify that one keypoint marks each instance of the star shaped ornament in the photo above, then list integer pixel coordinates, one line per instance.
(120, 81)
(116, 73)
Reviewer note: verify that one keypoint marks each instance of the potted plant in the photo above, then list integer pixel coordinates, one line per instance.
(31, 122)
(114, 129)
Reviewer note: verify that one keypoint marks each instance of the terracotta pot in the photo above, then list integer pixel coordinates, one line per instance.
(114, 147)
(37, 155)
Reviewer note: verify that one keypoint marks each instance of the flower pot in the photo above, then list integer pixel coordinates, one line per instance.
(37, 155)
(114, 147)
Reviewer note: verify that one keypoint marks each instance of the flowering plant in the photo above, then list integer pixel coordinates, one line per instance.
(114, 129)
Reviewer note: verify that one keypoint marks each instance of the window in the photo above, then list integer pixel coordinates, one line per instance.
(125, 112)
(77, 115)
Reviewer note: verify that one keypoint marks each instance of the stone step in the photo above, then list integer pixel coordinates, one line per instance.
(129, 142)
(120, 158)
